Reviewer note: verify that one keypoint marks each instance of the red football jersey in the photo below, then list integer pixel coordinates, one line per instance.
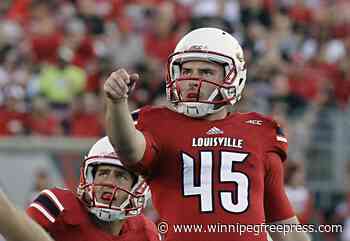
(65, 217)
(214, 173)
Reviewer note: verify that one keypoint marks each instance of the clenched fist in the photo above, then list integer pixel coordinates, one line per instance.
(119, 84)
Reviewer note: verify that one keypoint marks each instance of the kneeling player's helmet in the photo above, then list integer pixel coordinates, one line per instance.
(102, 153)
(209, 45)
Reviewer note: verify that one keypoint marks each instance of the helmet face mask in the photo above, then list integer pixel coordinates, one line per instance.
(207, 45)
(119, 202)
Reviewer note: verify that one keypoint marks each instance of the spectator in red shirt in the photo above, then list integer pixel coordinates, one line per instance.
(12, 113)
(41, 120)
(19, 11)
(46, 37)
(77, 46)
(86, 120)
(301, 13)
(162, 39)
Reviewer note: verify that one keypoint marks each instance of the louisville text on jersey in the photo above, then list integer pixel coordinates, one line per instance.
(217, 141)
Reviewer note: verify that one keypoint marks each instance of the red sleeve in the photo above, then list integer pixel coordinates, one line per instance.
(151, 151)
(276, 203)
(277, 141)
(150, 156)
(46, 208)
(38, 217)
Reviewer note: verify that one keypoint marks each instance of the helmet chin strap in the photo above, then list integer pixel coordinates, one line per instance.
(110, 215)
(198, 110)
(194, 109)
(107, 215)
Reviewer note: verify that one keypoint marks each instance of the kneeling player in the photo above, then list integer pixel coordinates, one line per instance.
(107, 206)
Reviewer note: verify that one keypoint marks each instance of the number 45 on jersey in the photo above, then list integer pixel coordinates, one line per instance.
(227, 175)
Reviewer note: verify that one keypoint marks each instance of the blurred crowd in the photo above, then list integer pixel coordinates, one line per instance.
(55, 55)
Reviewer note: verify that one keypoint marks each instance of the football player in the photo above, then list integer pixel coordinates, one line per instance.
(15, 225)
(205, 165)
(107, 206)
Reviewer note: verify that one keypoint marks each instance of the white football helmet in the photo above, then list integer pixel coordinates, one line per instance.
(102, 152)
(210, 45)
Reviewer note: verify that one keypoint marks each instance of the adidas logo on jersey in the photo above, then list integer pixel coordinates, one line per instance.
(214, 131)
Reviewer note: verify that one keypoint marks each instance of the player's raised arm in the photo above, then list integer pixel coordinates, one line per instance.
(15, 225)
(122, 133)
